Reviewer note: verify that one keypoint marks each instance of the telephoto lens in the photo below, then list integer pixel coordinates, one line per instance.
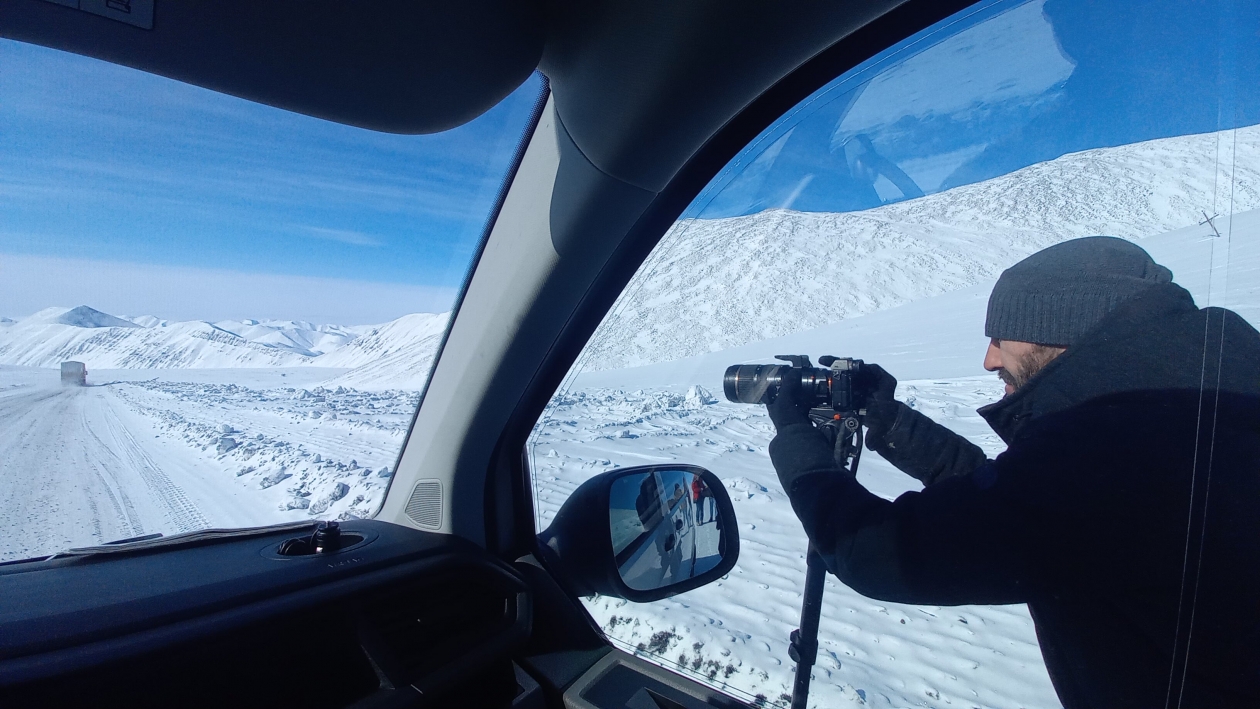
(750, 383)
(759, 383)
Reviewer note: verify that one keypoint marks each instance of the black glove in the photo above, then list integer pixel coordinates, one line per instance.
(914, 443)
(789, 405)
(877, 387)
(875, 383)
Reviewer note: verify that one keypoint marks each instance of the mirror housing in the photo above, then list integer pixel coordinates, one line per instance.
(579, 544)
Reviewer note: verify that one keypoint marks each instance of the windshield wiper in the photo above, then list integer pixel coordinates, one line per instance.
(157, 541)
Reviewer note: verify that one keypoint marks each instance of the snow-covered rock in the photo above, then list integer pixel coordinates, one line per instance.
(337, 492)
(274, 478)
(698, 396)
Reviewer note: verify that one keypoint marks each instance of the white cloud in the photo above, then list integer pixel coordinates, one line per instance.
(344, 236)
(31, 283)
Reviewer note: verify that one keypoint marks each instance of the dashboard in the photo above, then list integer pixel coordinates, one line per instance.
(397, 618)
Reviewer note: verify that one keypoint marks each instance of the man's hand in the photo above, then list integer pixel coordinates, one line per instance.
(789, 406)
(881, 408)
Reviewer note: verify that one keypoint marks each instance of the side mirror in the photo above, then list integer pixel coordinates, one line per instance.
(644, 533)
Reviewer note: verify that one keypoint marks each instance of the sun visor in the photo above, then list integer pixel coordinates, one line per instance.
(392, 65)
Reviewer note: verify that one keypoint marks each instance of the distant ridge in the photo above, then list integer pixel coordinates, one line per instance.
(105, 341)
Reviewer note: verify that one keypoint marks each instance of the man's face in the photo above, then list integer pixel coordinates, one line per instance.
(1016, 362)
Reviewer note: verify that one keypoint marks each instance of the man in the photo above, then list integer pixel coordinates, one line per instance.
(1126, 509)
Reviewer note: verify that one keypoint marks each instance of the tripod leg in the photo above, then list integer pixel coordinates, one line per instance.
(804, 642)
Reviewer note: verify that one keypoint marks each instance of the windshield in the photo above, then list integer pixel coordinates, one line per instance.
(215, 313)
(1022, 530)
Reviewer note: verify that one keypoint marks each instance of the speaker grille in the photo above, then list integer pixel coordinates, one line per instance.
(425, 506)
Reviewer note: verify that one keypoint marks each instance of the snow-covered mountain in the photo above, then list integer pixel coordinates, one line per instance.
(86, 317)
(707, 286)
(396, 355)
(105, 341)
(300, 337)
(405, 337)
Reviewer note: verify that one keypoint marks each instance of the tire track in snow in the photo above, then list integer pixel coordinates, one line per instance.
(72, 473)
(118, 497)
(183, 513)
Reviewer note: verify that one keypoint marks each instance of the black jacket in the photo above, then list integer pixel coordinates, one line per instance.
(1125, 511)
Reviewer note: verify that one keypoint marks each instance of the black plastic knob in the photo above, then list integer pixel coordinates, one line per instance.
(327, 537)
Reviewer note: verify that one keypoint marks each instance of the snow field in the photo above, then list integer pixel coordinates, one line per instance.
(325, 452)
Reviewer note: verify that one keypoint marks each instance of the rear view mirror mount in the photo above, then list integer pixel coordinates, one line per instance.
(643, 533)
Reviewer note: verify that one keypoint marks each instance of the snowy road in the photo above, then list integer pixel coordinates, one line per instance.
(74, 473)
(137, 453)
(78, 468)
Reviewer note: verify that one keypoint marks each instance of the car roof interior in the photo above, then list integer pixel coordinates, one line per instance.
(648, 100)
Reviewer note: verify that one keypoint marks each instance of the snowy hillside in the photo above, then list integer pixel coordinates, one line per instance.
(299, 337)
(395, 355)
(697, 291)
(105, 341)
(410, 332)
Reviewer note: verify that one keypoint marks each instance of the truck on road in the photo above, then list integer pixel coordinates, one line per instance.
(74, 373)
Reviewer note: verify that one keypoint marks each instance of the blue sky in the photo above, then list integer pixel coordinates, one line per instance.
(100, 164)
(1000, 86)
(137, 194)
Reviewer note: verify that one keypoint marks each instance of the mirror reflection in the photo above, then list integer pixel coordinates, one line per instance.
(666, 528)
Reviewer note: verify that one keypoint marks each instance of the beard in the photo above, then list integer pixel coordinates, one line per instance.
(1029, 366)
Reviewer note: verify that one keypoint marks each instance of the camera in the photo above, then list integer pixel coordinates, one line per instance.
(831, 386)
(838, 396)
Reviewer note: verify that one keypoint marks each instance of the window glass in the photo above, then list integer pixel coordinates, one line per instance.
(216, 313)
(872, 221)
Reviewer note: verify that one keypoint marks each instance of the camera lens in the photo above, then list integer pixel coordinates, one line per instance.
(750, 383)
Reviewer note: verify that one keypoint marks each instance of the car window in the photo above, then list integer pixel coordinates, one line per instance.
(873, 221)
(215, 313)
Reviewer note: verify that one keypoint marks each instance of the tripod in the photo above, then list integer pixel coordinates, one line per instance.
(845, 430)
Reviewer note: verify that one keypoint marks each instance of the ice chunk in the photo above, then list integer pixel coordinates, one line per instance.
(226, 443)
(383, 473)
(698, 396)
(321, 505)
(298, 503)
(274, 478)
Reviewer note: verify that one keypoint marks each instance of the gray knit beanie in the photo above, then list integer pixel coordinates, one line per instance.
(1058, 294)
